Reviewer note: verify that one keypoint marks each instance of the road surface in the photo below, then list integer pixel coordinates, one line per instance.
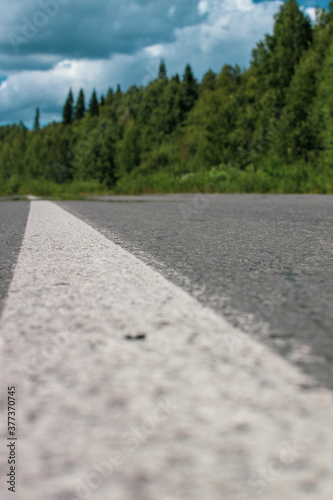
(173, 347)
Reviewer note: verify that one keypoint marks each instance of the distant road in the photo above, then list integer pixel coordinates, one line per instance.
(130, 387)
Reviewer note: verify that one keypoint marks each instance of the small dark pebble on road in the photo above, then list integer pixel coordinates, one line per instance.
(141, 336)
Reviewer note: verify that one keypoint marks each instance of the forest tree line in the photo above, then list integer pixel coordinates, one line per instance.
(268, 128)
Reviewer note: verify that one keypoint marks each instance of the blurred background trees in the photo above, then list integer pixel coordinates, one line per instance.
(272, 122)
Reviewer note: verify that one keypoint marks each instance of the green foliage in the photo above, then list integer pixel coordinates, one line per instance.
(128, 149)
(208, 81)
(292, 36)
(109, 97)
(267, 129)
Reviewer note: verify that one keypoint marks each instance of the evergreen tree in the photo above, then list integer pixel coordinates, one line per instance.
(102, 100)
(36, 122)
(189, 90)
(80, 109)
(67, 114)
(162, 72)
(93, 105)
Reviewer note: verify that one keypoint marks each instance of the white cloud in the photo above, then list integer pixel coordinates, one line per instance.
(311, 12)
(203, 7)
(227, 35)
(155, 50)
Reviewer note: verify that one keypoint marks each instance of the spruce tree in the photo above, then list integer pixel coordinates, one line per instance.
(93, 105)
(162, 72)
(67, 114)
(80, 109)
(36, 122)
(189, 90)
(102, 102)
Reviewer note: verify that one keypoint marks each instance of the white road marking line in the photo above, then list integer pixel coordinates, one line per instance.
(32, 197)
(82, 386)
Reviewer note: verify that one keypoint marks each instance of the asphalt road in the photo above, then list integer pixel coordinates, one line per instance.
(264, 261)
(13, 218)
(128, 386)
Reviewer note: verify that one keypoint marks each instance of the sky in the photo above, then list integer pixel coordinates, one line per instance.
(48, 46)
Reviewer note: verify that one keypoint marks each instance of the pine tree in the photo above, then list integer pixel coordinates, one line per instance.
(67, 114)
(93, 105)
(162, 72)
(80, 109)
(102, 102)
(36, 122)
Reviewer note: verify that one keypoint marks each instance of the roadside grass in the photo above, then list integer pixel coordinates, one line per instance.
(298, 178)
(291, 179)
(49, 189)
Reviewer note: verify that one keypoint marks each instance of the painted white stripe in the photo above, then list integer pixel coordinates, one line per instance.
(197, 410)
(32, 197)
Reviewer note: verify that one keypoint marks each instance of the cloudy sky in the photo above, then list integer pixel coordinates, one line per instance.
(47, 46)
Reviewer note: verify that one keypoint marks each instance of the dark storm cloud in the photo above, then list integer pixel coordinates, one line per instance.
(74, 29)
